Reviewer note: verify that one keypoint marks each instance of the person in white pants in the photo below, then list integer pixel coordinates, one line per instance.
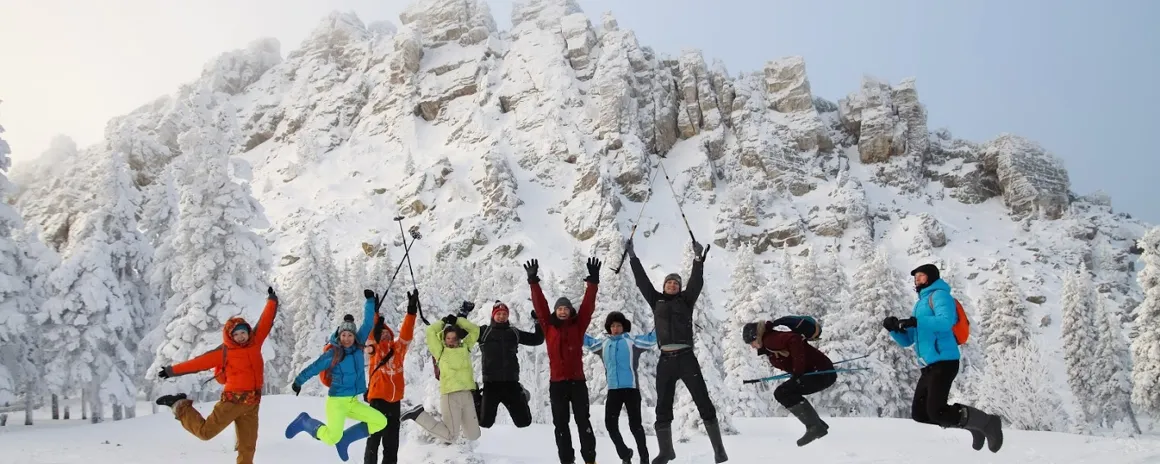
(450, 342)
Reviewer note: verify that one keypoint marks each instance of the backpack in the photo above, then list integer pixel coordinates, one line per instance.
(962, 327)
(324, 376)
(806, 326)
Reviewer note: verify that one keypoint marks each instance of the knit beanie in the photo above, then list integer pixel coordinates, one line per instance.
(347, 325)
(564, 302)
(497, 308)
(241, 326)
(673, 276)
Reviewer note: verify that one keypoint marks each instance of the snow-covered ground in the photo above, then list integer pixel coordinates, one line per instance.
(156, 438)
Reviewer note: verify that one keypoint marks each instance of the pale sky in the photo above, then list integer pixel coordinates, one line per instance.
(1080, 77)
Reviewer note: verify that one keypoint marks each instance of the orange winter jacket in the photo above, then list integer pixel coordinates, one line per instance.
(238, 367)
(386, 378)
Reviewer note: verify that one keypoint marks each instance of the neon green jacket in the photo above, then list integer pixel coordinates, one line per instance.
(455, 371)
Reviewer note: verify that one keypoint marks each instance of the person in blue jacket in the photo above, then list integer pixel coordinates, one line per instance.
(343, 368)
(929, 330)
(621, 352)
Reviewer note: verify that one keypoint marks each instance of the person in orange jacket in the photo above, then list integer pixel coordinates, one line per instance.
(386, 380)
(237, 364)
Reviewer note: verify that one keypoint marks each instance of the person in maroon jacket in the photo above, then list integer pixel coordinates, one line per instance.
(789, 352)
(564, 337)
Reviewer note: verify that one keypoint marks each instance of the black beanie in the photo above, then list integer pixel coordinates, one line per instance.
(929, 269)
(616, 316)
(564, 302)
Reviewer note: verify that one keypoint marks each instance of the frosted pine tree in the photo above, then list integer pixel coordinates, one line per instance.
(808, 290)
(1005, 322)
(222, 262)
(1145, 356)
(781, 295)
(747, 291)
(1078, 342)
(350, 293)
(1113, 385)
(1019, 388)
(53, 197)
(836, 282)
(309, 301)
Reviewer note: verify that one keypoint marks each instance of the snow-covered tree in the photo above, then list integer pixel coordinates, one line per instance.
(747, 304)
(1005, 321)
(1079, 340)
(309, 299)
(222, 262)
(349, 294)
(1145, 356)
(1113, 387)
(52, 192)
(808, 291)
(1019, 388)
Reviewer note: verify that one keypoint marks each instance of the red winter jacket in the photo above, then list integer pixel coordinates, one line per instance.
(789, 352)
(564, 339)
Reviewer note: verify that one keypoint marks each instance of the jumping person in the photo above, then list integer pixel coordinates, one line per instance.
(564, 336)
(789, 352)
(344, 363)
(929, 330)
(498, 343)
(450, 341)
(238, 365)
(620, 351)
(673, 319)
(386, 380)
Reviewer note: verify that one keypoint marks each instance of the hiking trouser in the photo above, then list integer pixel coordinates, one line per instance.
(389, 436)
(458, 410)
(793, 391)
(930, 395)
(681, 365)
(565, 395)
(243, 416)
(339, 408)
(629, 398)
(511, 396)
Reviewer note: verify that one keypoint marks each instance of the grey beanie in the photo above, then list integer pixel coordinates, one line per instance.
(347, 325)
(564, 302)
(673, 276)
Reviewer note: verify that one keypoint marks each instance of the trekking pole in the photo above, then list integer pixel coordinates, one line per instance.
(637, 222)
(786, 376)
(415, 236)
(679, 208)
(406, 253)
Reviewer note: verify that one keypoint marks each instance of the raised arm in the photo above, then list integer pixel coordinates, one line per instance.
(368, 322)
(643, 283)
(696, 283)
(647, 341)
(588, 304)
(407, 330)
(592, 344)
(315, 368)
(266, 322)
(435, 338)
(539, 303)
(206, 361)
(472, 331)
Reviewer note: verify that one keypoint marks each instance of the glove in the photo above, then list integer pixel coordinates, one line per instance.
(270, 294)
(369, 294)
(891, 324)
(593, 271)
(413, 302)
(466, 307)
(907, 323)
(699, 252)
(534, 315)
(297, 388)
(532, 267)
(366, 399)
(164, 374)
(450, 319)
(628, 248)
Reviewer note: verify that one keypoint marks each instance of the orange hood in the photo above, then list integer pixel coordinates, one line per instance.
(228, 329)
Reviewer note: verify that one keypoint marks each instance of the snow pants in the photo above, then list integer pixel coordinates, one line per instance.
(793, 391)
(388, 437)
(681, 365)
(243, 416)
(629, 398)
(458, 410)
(339, 408)
(565, 395)
(511, 396)
(930, 395)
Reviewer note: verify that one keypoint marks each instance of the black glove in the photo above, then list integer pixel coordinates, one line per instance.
(270, 294)
(450, 319)
(909, 322)
(593, 271)
(699, 252)
(534, 317)
(466, 308)
(413, 302)
(366, 399)
(628, 248)
(297, 389)
(164, 374)
(369, 294)
(532, 267)
(891, 324)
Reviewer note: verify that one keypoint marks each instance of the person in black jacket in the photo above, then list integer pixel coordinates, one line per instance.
(498, 342)
(673, 319)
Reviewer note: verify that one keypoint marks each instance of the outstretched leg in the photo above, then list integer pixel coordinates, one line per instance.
(206, 428)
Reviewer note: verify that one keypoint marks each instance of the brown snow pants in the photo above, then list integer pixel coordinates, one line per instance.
(243, 416)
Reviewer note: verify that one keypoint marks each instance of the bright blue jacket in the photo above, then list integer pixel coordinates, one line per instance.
(349, 376)
(620, 354)
(935, 312)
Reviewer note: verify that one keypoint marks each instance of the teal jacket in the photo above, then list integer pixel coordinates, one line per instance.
(932, 338)
(349, 376)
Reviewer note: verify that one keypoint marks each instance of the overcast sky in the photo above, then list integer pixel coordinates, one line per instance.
(1080, 77)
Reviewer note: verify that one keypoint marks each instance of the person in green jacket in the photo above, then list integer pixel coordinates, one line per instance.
(450, 341)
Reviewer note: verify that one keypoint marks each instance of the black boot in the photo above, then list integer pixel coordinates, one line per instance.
(170, 400)
(714, 431)
(665, 443)
(411, 414)
(990, 426)
(815, 427)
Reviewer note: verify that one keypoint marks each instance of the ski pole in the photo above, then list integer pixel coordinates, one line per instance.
(415, 236)
(679, 208)
(786, 376)
(406, 252)
(637, 222)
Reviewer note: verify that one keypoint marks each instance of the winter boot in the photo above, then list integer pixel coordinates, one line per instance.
(815, 427)
(350, 435)
(665, 443)
(303, 423)
(979, 422)
(714, 431)
(411, 414)
(170, 400)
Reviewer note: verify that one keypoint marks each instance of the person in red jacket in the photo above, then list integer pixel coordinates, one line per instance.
(237, 364)
(791, 353)
(564, 337)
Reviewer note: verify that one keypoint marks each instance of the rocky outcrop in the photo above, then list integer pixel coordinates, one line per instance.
(497, 188)
(958, 166)
(744, 221)
(466, 22)
(788, 92)
(417, 193)
(847, 208)
(233, 71)
(340, 39)
(1033, 181)
(887, 122)
(699, 108)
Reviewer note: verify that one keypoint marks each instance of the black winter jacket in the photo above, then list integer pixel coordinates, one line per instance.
(498, 344)
(672, 314)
